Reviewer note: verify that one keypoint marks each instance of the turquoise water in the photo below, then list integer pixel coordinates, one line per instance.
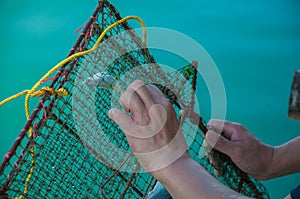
(255, 44)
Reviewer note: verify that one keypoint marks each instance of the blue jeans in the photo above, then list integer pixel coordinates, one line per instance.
(159, 192)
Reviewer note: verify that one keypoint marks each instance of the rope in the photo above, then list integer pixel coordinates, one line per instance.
(79, 54)
(61, 92)
(39, 93)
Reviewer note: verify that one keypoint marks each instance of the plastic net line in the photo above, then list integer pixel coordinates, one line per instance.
(69, 148)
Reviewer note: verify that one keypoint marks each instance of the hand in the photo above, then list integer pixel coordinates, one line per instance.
(154, 135)
(151, 127)
(246, 151)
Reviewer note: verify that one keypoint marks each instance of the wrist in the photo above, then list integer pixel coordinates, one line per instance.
(185, 178)
(277, 162)
(164, 173)
(282, 164)
(270, 162)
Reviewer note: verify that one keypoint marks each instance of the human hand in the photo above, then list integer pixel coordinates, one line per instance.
(151, 127)
(245, 150)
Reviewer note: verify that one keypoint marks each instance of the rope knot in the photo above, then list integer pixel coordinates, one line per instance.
(51, 91)
(62, 92)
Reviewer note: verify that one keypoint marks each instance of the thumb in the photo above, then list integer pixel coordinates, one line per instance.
(219, 142)
(121, 118)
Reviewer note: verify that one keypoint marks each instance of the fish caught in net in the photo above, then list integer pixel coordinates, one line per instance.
(69, 148)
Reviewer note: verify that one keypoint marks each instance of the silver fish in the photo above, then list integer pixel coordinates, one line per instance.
(101, 80)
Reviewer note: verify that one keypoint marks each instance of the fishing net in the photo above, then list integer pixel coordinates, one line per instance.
(69, 148)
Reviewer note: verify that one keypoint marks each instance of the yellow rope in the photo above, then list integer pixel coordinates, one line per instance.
(81, 54)
(39, 93)
(31, 92)
(13, 97)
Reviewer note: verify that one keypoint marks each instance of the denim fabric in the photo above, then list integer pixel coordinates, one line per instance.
(295, 193)
(159, 192)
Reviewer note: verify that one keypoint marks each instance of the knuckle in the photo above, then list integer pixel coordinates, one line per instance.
(128, 97)
(239, 126)
(136, 84)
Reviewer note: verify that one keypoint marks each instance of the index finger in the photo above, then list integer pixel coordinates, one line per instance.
(143, 92)
(221, 126)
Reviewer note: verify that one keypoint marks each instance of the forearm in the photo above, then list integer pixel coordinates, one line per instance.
(286, 159)
(187, 179)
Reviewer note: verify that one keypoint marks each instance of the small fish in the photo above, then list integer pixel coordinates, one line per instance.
(101, 80)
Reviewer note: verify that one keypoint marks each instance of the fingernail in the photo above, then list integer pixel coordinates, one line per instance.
(214, 129)
(211, 137)
(111, 113)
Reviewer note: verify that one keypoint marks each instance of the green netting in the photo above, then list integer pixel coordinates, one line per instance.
(78, 151)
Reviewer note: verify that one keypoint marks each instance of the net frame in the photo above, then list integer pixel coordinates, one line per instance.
(130, 188)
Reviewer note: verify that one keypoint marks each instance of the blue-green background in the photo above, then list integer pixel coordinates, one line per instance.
(255, 44)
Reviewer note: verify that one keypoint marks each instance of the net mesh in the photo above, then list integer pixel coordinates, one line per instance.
(76, 151)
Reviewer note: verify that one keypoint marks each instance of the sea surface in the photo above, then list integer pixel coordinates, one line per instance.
(254, 44)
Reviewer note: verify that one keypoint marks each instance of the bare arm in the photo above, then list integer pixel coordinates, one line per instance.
(251, 155)
(187, 179)
(286, 159)
(154, 135)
